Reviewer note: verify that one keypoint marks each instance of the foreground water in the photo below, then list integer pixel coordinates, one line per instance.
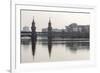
(44, 51)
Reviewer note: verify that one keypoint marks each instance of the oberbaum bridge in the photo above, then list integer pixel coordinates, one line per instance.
(50, 34)
(34, 33)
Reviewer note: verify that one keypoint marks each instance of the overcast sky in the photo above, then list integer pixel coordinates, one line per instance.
(58, 19)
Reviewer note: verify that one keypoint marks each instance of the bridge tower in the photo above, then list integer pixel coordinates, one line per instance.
(49, 37)
(33, 27)
(49, 27)
(33, 37)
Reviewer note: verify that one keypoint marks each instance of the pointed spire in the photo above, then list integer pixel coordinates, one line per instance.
(33, 22)
(49, 22)
(49, 26)
(33, 28)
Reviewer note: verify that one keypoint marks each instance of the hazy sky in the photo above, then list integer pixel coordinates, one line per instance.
(58, 19)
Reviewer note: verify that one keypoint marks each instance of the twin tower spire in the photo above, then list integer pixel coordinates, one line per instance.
(33, 27)
(34, 36)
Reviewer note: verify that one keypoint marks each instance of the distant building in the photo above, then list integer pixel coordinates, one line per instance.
(57, 30)
(72, 31)
(83, 28)
(77, 28)
(53, 30)
(44, 30)
(71, 28)
(26, 28)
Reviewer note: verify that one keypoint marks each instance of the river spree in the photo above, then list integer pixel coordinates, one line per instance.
(45, 50)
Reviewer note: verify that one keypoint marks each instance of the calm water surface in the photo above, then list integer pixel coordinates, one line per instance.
(44, 51)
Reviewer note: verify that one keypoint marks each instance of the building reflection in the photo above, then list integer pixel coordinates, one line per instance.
(33, 37)
(49, 37)
(74, 46)
(25, 41)
(49, 46)
(33, 46)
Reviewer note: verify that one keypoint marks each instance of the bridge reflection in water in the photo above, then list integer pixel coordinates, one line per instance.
(57, 50)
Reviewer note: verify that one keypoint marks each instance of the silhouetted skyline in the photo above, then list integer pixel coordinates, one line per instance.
(58, 19)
